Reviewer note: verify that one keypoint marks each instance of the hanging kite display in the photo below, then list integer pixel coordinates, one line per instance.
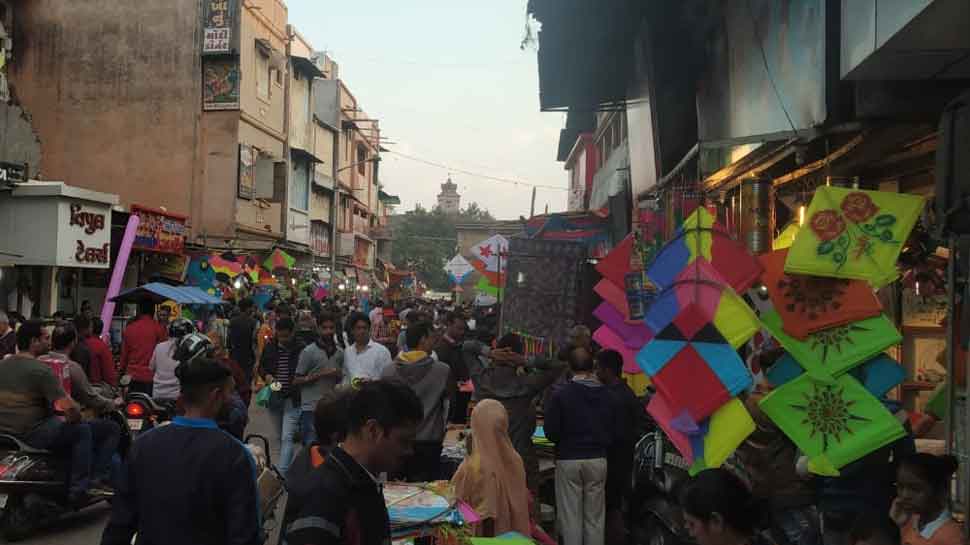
(838, 349)
(634, 335)
(607, 338)
(833, 421)
(701, 237)
(851, 233)
(878, 375)
(691, 363)
(279, 260)
(719, 304)
(807, 304)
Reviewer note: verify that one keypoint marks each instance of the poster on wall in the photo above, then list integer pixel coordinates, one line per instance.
(217, 23)
(247, 171)
(220, 84)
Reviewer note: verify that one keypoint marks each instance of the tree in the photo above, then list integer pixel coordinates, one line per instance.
(473, 212)
(425, 241)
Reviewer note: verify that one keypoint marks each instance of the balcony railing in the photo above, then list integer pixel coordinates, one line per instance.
(381, 232)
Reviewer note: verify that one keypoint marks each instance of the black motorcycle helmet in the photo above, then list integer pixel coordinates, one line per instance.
(192, 346)
(180, 327)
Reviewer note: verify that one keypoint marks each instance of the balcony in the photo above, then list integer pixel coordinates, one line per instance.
(381, 232)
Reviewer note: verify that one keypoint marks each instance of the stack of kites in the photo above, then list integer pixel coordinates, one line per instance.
(819, 306)
(700, 322)
(827, 318)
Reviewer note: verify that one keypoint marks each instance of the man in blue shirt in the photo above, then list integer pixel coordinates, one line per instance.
(189, 482)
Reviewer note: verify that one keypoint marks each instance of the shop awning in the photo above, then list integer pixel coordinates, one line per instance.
(304, 155)
(306, 66)
(159, 292)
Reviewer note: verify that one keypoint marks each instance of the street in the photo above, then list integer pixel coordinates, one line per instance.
(85, 527)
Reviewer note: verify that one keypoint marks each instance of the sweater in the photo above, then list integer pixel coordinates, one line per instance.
(431, 381)
(580, 418)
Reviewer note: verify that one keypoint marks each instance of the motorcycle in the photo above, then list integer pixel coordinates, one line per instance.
(34, 484)
(659, 470)
(142, 411)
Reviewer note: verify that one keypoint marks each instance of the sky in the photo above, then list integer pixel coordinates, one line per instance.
(450, 85)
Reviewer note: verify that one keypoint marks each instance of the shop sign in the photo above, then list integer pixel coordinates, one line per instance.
(85, 239)
(220, 84)
(159, 231)
(218, 25)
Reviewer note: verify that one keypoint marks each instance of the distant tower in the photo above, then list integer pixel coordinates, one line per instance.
(449, 200)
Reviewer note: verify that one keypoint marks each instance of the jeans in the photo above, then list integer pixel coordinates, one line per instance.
(307, 428)
(286, 419)
(91, 444)
(581, 501)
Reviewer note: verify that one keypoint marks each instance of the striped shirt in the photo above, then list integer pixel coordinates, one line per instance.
(283, 370)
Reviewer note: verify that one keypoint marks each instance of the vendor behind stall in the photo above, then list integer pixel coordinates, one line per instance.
(506, 375)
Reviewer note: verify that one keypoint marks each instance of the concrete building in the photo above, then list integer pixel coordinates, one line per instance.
(125, 98)
(449, 201)
(216, 117)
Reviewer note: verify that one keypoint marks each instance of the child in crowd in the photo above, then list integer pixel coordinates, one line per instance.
(920, 509)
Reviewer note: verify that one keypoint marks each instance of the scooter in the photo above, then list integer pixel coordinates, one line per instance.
(269, 482)
(34, 484)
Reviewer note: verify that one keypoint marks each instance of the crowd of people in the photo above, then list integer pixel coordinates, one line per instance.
(358, 398)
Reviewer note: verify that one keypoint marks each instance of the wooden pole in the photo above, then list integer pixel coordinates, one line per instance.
(532, 208)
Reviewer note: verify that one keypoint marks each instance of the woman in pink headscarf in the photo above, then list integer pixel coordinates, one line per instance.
(492, 478)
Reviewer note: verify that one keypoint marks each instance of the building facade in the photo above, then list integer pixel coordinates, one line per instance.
(206, 114)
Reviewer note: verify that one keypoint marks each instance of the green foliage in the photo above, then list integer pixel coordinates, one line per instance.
(426, 240)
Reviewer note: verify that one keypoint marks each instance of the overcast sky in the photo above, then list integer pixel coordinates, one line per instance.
(450, 85)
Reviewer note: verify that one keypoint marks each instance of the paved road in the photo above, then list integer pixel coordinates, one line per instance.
(85, 527)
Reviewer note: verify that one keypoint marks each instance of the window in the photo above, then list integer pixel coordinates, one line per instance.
(300, 186)
(361, 160)
(263, 73)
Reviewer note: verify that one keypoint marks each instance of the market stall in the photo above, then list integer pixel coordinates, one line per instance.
(691, 309)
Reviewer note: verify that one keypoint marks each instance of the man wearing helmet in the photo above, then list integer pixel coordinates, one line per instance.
(234, 415)
(165, 385)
